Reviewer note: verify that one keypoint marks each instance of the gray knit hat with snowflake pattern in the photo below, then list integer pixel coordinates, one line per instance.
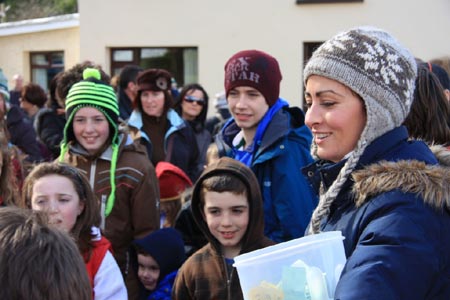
(374, 65)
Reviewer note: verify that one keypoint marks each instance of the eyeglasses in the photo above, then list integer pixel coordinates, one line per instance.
(192, 99)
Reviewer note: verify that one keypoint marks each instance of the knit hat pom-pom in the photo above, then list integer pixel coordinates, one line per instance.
(91, 73)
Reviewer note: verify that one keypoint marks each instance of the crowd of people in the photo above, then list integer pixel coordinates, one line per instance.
(127, 188)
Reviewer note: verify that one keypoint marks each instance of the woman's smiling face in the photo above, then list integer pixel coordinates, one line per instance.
(335, 115)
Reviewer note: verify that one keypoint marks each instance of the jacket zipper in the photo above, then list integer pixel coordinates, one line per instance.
(92, 173)
(103, 198)
(229, 278)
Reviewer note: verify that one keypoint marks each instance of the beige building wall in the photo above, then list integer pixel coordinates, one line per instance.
(15, 49)
(279, 27)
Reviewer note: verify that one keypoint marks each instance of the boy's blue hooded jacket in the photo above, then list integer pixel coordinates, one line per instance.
(279, 154)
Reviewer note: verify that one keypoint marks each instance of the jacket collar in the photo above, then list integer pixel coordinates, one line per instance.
(385, 166)
(277, 127)
(176, 122)
(124, 140)
(430, 181)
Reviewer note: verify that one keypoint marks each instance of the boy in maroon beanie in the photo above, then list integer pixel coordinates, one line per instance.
(271, 138)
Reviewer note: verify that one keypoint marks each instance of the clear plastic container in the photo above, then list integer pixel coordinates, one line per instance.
(305, 268)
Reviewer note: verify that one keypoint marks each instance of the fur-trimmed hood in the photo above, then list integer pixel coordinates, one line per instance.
(431, 182)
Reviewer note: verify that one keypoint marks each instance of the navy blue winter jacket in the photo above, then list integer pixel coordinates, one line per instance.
(394, 215)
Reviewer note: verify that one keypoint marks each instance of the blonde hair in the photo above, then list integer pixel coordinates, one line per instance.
(171, 209)
(212, 154)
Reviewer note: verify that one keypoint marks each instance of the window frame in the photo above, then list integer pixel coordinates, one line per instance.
(179, 73)
(308, 49)
(50, 65)
(326, 1)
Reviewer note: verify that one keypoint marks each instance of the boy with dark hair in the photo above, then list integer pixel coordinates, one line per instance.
(30, 249)
(227, 205)
(127, 90)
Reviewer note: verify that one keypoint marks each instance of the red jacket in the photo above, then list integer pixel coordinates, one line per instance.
(97, 254)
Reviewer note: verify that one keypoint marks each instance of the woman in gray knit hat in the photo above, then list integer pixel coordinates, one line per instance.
(389, 197)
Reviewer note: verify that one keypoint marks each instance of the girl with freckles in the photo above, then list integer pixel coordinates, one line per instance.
(65, 195)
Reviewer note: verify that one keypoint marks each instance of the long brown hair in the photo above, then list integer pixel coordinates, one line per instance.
(190, 88)
(82, 230)
(429, 116)
(37, 261)
(9, 186)
(171, 208)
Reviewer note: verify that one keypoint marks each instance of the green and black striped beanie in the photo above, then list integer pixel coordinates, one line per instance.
(91, 92)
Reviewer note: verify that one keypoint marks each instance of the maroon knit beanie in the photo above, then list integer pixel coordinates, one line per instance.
(255, 69)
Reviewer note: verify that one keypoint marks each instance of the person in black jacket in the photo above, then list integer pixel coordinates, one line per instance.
(192, 106)
(49, 122)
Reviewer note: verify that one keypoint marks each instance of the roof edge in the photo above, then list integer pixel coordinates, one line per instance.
(41, 24)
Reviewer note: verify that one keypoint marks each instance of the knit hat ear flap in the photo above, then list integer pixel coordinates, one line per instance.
(91, 92)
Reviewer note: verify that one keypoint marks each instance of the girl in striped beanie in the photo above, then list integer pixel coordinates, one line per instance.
(121, 175)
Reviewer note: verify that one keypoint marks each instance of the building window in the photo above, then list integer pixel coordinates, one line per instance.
(308, 49)
(44, 66)
(182, 63)
(326, 1)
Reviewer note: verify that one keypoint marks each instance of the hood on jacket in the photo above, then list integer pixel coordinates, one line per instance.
(126, 143)
(41, 113)
(166, 246)
(288, 120)
(431, 182)
(255, 230)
